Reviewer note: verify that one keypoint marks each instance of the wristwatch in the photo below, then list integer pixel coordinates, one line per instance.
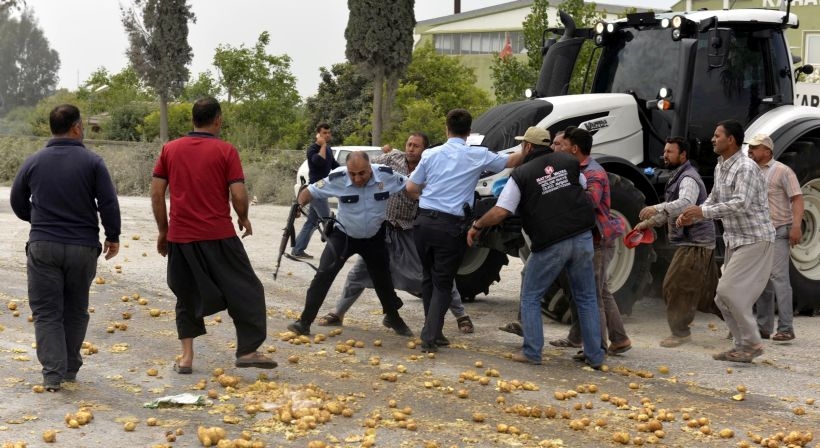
(475, 226)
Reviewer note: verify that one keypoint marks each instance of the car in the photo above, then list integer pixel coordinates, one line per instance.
(340, 153)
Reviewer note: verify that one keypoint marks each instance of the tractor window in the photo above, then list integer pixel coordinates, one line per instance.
(640, 61)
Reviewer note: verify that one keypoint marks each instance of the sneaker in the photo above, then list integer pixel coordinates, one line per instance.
(303, 256)
(396, 323)
(299, 328)
(674, 341)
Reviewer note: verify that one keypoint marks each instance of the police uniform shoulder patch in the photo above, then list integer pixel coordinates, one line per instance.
(335, 175)
(320, 183)
(385, 169)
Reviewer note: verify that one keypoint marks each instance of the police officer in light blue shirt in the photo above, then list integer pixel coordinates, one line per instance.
(448, 175)
(363, 191)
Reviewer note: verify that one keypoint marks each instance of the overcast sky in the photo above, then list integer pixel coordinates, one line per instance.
(88, 33)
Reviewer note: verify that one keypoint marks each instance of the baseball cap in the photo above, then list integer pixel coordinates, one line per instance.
(761, 139)
(536, 136)
(637, 236)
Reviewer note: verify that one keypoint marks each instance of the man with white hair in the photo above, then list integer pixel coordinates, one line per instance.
(786, 209)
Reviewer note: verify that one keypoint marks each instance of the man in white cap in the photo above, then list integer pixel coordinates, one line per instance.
(786, 209)
(547, 188)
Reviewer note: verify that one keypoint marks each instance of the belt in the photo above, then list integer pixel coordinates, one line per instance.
(435, 214)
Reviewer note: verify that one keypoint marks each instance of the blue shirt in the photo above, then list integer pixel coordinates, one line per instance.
(449, 174)
(318, 167)
(362, 210)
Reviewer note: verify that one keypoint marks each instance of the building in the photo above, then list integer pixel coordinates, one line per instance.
(804, 41)
(477, 36)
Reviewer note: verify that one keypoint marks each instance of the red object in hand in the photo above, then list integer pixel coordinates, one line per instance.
(638, 236)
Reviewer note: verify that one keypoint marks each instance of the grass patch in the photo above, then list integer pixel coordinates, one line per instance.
(269, 174)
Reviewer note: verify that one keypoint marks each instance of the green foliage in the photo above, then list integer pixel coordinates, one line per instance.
(511, 77)
(39, 116)
(203, 86)
(28, 71)
(585, 15)
(344, 100)
(126, 122)
(379, 38)
(158, 47)
(103, 92)
(16, 122)
(533, 28)
(13, 152)
(179, 122)
(261, 92)
(441, 82)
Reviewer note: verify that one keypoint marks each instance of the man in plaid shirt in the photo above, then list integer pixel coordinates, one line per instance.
(740, 201)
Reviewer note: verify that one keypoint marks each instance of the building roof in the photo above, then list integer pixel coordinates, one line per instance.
(503, 7)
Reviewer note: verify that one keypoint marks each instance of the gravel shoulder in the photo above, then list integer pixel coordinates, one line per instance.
(443, 393)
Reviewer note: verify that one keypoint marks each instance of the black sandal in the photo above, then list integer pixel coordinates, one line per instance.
(514, 328)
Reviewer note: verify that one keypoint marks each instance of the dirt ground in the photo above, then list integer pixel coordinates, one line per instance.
(366, 387)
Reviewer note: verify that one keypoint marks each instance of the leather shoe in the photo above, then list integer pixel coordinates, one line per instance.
(299, 328)
(428, 348)
(396, 323)
(442, 341)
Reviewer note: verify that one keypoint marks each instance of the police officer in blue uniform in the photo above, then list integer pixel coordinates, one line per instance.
(363, 191)
(445, 178)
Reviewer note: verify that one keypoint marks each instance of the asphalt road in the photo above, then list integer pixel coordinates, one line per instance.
(436, 398)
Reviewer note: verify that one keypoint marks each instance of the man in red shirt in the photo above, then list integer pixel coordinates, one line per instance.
(208, 268)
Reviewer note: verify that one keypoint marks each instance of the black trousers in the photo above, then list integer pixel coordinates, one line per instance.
(211, 276)
(441, 243)
(338, 249)
(59, 277)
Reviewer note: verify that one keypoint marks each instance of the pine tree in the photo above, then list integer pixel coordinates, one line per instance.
(158, 48)
(380, 42)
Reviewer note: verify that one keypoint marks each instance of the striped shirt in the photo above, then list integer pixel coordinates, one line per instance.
(401, 210)
(782, 187)
(738, 199)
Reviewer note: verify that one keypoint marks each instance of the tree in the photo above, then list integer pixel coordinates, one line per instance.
(5, 5)
(379, 37)
(344, 100)
(511, 76)
(433, 85)
(261, 88)
(158, 48)
(28, 72)
(203, 86)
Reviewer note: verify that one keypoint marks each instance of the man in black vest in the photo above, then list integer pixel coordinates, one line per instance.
(556, 215)
(692, 277)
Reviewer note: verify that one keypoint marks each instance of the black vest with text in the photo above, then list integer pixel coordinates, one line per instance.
(553, 204)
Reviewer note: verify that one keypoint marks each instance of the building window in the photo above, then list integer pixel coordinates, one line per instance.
(478, 43)
(812, 48)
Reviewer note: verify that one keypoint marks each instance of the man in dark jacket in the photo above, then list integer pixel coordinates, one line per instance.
(320, 161)
(60, 190)
(547, 189)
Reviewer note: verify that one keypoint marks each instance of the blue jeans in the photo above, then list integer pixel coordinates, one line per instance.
(575, 254)
(318, 209)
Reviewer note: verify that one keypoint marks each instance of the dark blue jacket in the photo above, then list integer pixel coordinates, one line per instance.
(61, 189)
(319, 168)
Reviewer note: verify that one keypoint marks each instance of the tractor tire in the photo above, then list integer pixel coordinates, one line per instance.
(803, 157)
(479, 269)
(629, 270)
